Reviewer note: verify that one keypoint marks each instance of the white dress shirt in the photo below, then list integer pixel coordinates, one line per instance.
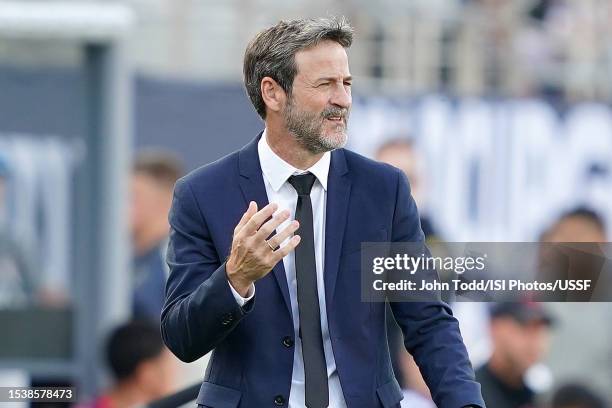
(276, 172)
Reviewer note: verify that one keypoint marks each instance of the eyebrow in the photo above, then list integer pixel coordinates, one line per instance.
(348, 78)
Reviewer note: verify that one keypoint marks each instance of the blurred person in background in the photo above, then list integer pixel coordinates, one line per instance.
(402, 153)
(153, 178)
(520, 339)
(583, 326)
(143, 368)
(576, 396)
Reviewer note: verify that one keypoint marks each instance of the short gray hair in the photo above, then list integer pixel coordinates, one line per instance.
(272, 52)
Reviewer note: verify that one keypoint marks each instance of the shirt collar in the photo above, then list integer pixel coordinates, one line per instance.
(277, 171)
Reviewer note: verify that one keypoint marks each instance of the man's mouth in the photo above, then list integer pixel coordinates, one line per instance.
(335, 118)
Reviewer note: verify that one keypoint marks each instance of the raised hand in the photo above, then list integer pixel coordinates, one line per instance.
(253, 255)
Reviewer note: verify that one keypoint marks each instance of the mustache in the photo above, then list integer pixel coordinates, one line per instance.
(334, 111)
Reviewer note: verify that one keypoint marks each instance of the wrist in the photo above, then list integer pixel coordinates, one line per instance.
(241, 287)
(239, 284)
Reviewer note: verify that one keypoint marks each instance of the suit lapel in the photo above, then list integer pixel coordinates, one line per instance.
(253, 189)
(338, 191)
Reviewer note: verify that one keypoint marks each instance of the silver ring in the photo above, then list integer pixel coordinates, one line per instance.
(271, 247)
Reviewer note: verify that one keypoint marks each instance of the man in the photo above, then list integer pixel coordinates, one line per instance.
(520, 338)
(143, 368)
(580, 325)
(282, 312)
(153, 177)
(401, 153)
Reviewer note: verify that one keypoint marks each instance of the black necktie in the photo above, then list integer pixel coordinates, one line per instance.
(315, 368)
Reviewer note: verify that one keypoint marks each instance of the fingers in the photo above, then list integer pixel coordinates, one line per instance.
(282, 235)
(283, 251)
(246, 216)
(269, 227)
(253, 224)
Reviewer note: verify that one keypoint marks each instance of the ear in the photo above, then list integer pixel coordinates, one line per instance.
(273, 94)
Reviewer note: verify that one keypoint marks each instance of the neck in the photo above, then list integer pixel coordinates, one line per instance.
(125, 395)
(505, 371)
(149, 236)
(286, 146)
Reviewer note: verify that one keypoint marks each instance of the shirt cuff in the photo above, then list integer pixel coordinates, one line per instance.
(242, 300)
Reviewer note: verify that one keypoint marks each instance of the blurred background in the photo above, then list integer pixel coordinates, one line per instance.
(498, 111)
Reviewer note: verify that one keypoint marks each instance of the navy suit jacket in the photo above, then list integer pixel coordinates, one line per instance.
(252, 360)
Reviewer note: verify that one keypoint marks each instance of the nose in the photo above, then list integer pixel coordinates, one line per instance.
(341, 96)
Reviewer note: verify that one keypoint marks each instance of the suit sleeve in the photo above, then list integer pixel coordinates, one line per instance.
(200, 309)
(431, 333)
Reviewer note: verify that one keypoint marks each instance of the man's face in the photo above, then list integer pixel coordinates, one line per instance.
(401, 156)
(317, 110)
(150, 201)
(405, 158)
(521, 344)
(576, 229)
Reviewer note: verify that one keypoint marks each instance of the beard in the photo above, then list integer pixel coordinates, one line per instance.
(308, 127)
